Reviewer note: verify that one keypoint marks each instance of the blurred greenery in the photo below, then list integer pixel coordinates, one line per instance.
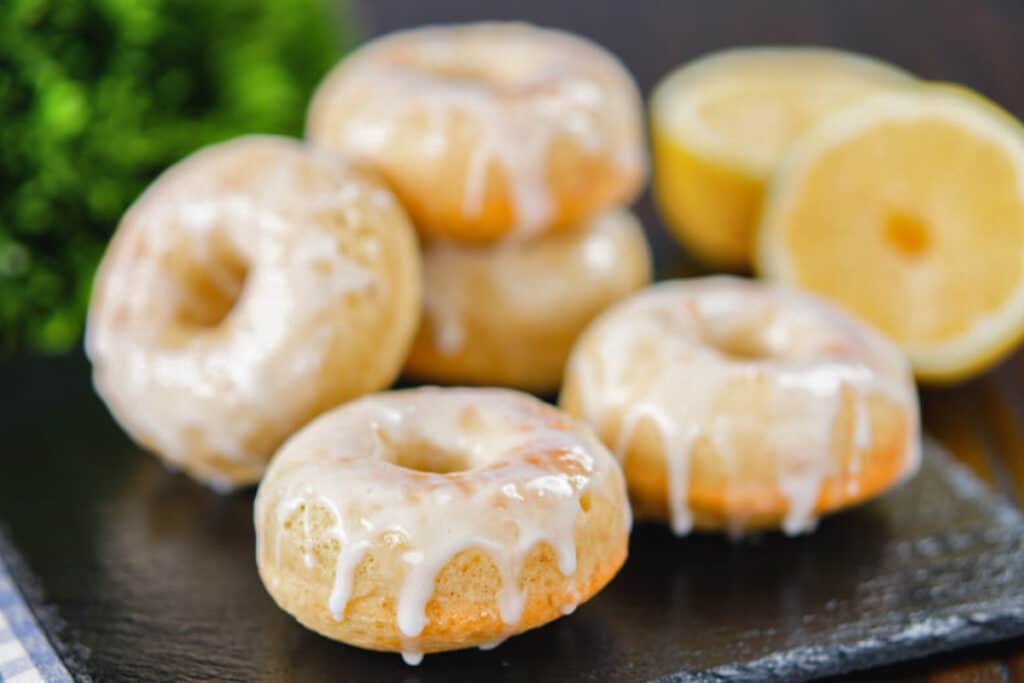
(99, 96)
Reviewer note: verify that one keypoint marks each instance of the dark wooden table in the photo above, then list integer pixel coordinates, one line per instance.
(980, 44)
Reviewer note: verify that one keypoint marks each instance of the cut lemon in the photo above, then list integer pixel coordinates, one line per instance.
(908, 209)
(720, 125)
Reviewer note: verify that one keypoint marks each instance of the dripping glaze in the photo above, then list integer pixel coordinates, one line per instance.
(809, 356)
(505, 502)
(561, 89)
(590, 256)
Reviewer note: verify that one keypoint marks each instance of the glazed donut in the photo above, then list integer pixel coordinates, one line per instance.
(736, 406)
(432, 519)
(490, 129)
(254, 285)
(508, 314)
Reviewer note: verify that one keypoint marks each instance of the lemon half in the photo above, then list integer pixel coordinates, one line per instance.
(907, 208)
(720, 125)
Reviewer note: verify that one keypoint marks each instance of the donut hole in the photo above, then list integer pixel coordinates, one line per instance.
(742, 348)
(498, 64)
(736, 344)
(485, 72)
(738, 330)
(210, 286)
(424, 456)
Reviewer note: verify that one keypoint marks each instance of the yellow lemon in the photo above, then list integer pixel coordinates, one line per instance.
(720, 125)
(907, 208)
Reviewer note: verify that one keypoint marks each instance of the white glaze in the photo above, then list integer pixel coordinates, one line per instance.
(283, 210)
(657, 357)
(504, 503)
(411, 657)
(517, 88)
(490, 645)
(445, 295)
(554, 267)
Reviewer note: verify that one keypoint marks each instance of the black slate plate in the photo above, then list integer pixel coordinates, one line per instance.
(155, 575)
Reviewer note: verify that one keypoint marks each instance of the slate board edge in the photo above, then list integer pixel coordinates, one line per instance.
(58, 632)
(808, 663)
(939, 634)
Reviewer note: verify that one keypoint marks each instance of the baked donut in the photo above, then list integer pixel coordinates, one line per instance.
(734, 405)
(434, 519)
(508, 314)
(254, 285)
(490, 129)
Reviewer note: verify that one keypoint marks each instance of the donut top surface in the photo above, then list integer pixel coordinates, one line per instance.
(521, 89)
(242, 206)
(439, 471)
(213, 272)
(673, 353)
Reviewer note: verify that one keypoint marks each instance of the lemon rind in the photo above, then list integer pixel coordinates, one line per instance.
(673, 103)
(990, 338)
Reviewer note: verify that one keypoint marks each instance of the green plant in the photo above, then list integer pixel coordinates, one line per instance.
(98, 96)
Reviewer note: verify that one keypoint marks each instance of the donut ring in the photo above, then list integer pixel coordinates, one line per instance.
(508, 314)
(734, 405)
(436, 519)
(254, 285)
(490, 129)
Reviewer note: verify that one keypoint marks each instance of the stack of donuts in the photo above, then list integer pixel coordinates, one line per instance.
(513, 149)
(458, 213)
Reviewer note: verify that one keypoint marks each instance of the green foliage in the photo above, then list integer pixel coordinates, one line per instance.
(98, 96)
